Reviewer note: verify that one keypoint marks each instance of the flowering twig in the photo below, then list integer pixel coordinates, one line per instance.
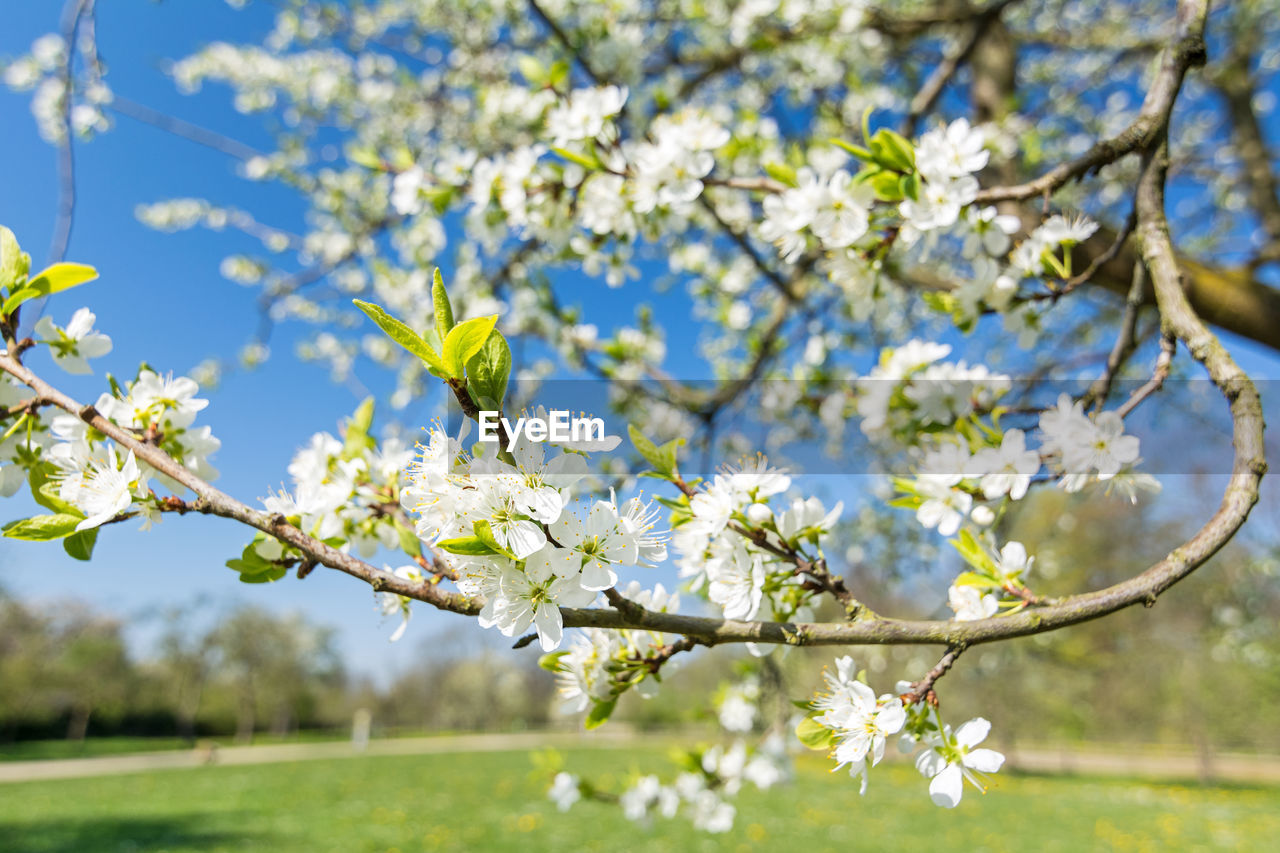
(923, 689)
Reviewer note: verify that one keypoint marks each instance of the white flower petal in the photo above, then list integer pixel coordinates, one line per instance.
(973, 732)
(947, 787)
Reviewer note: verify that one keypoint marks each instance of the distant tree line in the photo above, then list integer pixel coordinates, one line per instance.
(66, 669)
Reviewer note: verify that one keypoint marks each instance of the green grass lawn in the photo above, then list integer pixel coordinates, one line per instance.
(44, 750)
(94, 747)
(492, 801)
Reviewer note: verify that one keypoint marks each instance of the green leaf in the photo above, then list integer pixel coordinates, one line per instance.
(42, 528)
(409, 542)
(47, 492)
(591, 164)
(464, 341)
(357, 439)
(466, 546)
(663, 459)
(894, 150)
(943, 303)
(686, 759)
(856, 150)
(669, 503)
(273, 572)
(599, 714)
(484, 532)
(54, 279)
(401, 334)
(14, 263)
(364, 155)
(558, 74)
(488, 372)
(886, 186)
(254, 568)
(781, 172)
(49, 497)
(814, 735)
(401, 158)
(910, 186)
(531, 69)
(973, 553)
(80, 545)
(440, 305)
(551, 660)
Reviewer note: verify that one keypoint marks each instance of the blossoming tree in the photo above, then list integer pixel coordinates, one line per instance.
(826, 179)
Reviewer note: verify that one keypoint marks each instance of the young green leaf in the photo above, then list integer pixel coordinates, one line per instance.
(866, 124)
(558, 74)
(551, 660)
(856, 150)
(14, 264)
(402, 334)
(531, 69)
(488, 372)
(42, 528)
(365, 155)
(54, 279)
(910, 186)
(464, 341)
(80, 545)
(485, 534)
(47, 492)
(599, 714)
(588, 163)
(357, 439)
(409, 542)
(663, 459)
(894, 150)
(814, 735)
(886, 186)
(440, 305)
(466, 546)
(50, 497)
(253, 567)
(781, 172)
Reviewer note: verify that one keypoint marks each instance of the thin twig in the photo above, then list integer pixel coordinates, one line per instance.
(1164, 362)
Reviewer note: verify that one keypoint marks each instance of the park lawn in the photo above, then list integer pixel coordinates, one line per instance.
(495, 801)
(96, 747)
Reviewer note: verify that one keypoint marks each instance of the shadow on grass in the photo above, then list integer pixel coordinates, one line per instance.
(174, 832)
(1132, 779)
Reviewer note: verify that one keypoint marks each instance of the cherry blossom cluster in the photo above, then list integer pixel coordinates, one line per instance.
(601, 664)
(344, 490)
(45, 71)
(853, 724)
(741, 551)
(911, 388)
(75, 472)
(966, 477)
(513, 534)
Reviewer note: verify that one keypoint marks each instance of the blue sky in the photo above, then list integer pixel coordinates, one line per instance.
(161, 299)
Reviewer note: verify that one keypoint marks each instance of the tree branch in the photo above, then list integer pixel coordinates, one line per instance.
(1186, 51)
(212, 501)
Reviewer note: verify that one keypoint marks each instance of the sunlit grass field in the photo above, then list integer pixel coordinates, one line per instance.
(495, 801)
